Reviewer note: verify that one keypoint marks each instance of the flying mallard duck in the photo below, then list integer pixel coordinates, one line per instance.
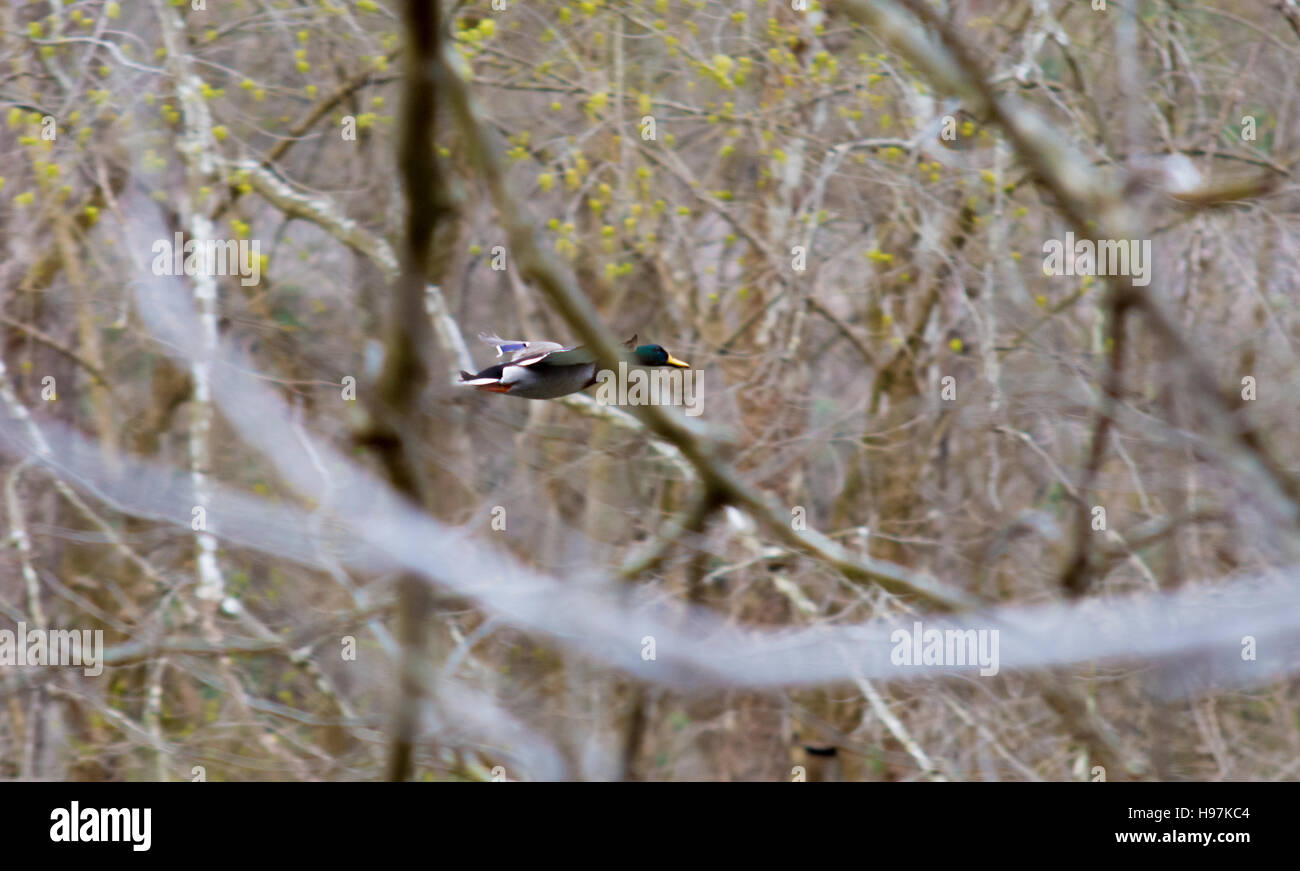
(545, 370)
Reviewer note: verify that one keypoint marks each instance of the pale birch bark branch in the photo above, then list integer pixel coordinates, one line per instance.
(197, 147)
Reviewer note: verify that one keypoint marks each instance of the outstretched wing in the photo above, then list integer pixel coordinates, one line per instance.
(550, 353)
(519, 348)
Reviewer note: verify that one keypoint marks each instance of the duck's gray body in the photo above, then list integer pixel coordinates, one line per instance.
(538, 370)
(536, 381)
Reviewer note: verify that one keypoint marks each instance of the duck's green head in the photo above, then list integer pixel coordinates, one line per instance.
(655, 355)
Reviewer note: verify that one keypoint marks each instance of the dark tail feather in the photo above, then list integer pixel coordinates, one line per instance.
(465, 376)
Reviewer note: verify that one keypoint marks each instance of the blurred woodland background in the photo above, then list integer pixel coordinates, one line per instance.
(315, 557)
